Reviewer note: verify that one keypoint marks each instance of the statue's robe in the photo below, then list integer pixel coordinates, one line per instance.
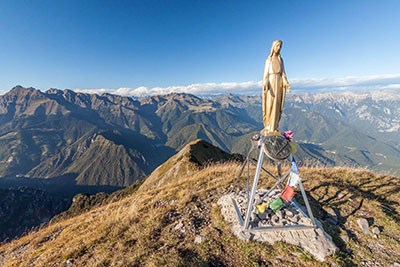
(274, 93)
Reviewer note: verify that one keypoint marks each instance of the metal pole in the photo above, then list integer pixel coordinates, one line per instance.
(240, 173)
(279, 167)
(310, 214)
(272, 188)
(237, 211)
(242, 168)
(254, 188)
(248, 178)
(262, 168)
(299, 209)
(282, 227)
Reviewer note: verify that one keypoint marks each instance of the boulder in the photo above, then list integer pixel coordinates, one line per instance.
(376, 230)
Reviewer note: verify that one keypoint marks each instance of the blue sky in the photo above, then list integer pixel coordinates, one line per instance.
(106, 45)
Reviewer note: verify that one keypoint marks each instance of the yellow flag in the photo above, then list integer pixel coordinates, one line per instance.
(261, 208)
(294, 147)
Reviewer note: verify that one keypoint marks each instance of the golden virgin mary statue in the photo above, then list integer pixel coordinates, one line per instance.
(274, 84)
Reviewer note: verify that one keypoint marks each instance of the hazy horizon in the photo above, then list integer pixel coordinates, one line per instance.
(128, 92)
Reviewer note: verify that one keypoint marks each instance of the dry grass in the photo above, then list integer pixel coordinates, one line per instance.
(140, 229)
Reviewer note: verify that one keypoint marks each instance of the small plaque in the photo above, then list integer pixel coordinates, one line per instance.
(277, 147)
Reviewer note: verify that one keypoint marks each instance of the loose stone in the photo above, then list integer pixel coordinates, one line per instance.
(275, 219)
(179, 226)
(279, 213)
(199, 239)
(376, 230)
(345, 238)
(289, 213)
(363, 223)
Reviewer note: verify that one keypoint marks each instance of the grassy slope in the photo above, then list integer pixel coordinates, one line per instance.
(85, 202)
(198, 153)
(140, 229)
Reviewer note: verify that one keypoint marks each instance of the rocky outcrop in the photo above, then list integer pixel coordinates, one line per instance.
(196, 154)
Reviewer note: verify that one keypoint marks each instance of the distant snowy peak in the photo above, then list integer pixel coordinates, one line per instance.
(347, 97)
(373, 111)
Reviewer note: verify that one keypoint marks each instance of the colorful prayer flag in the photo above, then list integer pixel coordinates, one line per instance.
(288, 193)
(261, 208)
(294, 147)
(276, 204)
(294, 179)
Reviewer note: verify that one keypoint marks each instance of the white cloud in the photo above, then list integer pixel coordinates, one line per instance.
(311, 85)
(392, 86)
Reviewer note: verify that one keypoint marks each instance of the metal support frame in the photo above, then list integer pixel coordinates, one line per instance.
(254, 188)
(251, 195)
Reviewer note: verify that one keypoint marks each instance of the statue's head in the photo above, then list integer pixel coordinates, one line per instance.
(276, 47)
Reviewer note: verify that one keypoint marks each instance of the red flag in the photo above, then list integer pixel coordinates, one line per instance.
(288, 193)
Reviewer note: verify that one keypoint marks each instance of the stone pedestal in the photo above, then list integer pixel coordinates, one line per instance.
(313, 240)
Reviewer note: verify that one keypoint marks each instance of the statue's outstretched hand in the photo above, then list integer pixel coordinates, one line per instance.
(287, 86)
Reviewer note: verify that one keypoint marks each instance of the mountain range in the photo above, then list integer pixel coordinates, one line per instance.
(91, 139)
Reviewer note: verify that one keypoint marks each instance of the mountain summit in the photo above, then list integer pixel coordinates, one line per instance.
(198, 153)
